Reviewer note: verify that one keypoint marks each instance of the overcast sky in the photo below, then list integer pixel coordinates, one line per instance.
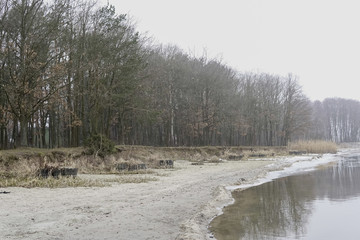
(316, 40)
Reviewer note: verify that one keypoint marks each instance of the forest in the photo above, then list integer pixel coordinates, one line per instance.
(72, 69)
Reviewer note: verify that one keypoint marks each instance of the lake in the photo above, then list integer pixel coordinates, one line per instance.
(323, 203)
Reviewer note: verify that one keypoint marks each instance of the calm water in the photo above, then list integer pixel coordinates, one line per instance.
(320, 204)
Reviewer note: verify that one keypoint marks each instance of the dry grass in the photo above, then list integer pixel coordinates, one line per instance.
(20, 167)
(33, 182)
(12, 180)
(195, 154)
(314, 146)
(130, 179)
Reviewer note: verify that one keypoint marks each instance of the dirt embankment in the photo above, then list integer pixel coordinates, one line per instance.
(29, 160)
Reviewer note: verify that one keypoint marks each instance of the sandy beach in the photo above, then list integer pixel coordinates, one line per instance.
(179, 205)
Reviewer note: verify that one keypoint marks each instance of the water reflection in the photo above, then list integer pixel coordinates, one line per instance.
(284, 207)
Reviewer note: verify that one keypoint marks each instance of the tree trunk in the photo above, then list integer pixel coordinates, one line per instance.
(23, 131)
(2, 137)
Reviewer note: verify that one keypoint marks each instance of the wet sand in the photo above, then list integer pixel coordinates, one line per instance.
(180, 205)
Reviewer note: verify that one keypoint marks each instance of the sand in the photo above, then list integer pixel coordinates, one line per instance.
(180, 205)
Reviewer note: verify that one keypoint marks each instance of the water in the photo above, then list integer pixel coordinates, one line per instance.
(320, 204)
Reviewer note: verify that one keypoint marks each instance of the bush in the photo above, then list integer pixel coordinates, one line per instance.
(99, 145)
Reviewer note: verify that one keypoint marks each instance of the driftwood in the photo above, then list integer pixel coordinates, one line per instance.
(4, 192)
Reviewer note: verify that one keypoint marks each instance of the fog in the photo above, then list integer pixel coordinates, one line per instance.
(316, 41)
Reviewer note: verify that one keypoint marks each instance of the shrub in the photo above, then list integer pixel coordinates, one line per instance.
(99, 145)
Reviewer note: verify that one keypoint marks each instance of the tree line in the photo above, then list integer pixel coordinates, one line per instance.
(336, 119)
(71, 69)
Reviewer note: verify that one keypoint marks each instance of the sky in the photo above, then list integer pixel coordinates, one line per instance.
(316, 40)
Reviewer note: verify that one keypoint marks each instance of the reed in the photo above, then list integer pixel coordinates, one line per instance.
(314, 146)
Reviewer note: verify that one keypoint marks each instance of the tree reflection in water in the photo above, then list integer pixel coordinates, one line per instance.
(282, 208)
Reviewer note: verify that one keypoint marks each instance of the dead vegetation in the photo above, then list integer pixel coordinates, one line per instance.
(131, 179)
(314, 146)
(33, 181)
(130, 164)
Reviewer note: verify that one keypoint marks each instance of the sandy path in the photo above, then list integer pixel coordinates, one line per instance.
(178, 206)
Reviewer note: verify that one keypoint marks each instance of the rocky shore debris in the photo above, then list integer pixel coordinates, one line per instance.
(236, 157)
(130, 166)
(257, 155)
(197, 163)
(166, 163)
(55, 172)
(296, 152)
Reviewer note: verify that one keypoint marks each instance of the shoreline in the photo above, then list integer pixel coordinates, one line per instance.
(197, 227)
(179, 205)
(282, 169)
